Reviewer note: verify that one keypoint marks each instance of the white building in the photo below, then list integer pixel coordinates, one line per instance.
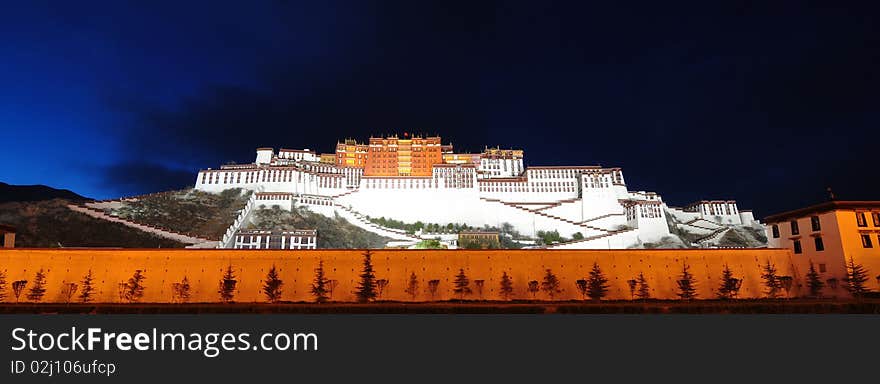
(288, 239)
(590, 200)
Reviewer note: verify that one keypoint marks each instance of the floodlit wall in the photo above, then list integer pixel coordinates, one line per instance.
(204, 269)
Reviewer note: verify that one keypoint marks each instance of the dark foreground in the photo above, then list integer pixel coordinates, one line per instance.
(865, 306)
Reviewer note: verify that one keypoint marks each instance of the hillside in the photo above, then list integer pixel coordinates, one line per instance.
(186, 211)
(332, 232)
(21, 193)
(50, 224)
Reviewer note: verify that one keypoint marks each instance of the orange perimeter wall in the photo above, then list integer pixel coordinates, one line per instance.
(204, 269)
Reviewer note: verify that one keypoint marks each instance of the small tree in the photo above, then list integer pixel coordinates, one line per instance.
(412, 286)
(479, 285)
(632, 283)
(381, 284)
(687, 287)
(331, 286)
(69, 290)
(320, 284)
(39, 289)
(506, 289)
(88, 289)
(461, 284)
(597, 283)
(729, 285)
(534, 287)
(550, 284)
(856, 277)
(182, 290)
(433, 286)
(18, 288)
(582, 287)
(273, 284)
(2, 285)
(227, 285)
(134, 287)
(643, 292)
(366, 290)
(771, 280)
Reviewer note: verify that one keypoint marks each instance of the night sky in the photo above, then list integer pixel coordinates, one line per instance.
(767, 104)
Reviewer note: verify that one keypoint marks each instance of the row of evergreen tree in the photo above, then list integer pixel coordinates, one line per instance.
(594, 286)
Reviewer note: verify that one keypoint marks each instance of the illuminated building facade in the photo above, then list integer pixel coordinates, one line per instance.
(828, 235)
(420, 179)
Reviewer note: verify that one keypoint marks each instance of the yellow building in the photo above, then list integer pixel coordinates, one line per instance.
(829, 234)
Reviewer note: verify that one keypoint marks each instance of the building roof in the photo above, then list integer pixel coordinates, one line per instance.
(7, 228)
(822, 208)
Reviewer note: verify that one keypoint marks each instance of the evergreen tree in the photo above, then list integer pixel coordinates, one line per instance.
(2, 286)
(134, 288)
(273, 284)
(183, 290)
(366, 291)
(729, 285)
(433, 286)
(227, 285)
(643, 292)
(814, 282)
(597, 283)
(856, 277)
(771, 280)
(461, 285)
(687, 287)
(550, 284)
(18, 287)
(534, 287)
(88, 289)
(632, 283)
(582, 287)
(412, 286)
(320, 288)
(506, 290)
(39, 289)
(479, 285)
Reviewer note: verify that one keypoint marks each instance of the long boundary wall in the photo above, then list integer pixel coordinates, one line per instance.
(204, 269)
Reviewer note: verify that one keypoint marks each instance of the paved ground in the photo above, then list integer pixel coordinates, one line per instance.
(866, 306)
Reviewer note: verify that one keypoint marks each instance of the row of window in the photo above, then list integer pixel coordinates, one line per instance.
(819, 244)
(862, 221)
(795, 229)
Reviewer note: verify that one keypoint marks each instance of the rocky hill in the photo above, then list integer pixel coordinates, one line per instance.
(50, 224)
(22, 193)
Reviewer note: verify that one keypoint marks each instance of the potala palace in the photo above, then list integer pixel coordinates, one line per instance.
(420, 179)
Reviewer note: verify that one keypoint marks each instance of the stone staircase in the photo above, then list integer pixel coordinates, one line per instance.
(554, 217)
(361, 221)
(590, 238)
(185, 238)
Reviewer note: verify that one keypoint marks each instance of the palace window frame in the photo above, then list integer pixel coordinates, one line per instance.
(798, 249)
(866, 240)
(794, 228)
(819, 243)
(861, 221)
(815, 224)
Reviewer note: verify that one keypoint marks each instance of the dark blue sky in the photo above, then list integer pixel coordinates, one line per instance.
(764, 103)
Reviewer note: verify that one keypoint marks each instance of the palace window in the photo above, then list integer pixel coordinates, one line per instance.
(775, 231)
(866, 241)
(820, 245)
(794, 228)
(876, 217)
(797, 247)
(814, 222)
(822, 268)
(860, 219)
